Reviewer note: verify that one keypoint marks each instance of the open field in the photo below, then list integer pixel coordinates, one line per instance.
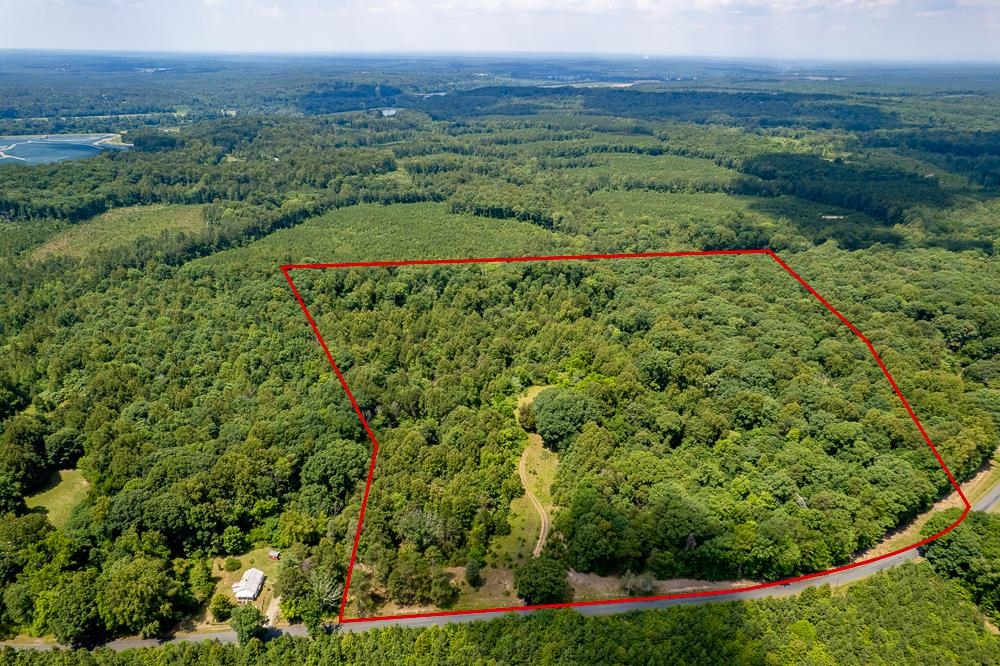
(666, 169)
(65, 491)
(397, 231)
(119, 227)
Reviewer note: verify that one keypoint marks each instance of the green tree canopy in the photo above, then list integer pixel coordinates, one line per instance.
(70, 611)
(136, 595)
(561, 413)
(542, 580)
(248, 623)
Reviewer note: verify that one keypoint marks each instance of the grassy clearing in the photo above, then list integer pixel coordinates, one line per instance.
(541, 465)
(66, 489)
(660, 166)
(398, 231)
(525, 523)
(514, 548)
(589, 587)
(497, 589)
(987, 478)
(120, 226)
(224, 580)
(682, 209)
(526, 399)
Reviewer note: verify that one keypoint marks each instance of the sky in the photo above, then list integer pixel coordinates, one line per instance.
(922, 30)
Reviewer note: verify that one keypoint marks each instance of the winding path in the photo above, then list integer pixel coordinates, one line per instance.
(543, 532)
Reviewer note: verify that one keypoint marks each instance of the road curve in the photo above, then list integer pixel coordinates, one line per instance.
(835, 578)
(784, 590)
(986, 503)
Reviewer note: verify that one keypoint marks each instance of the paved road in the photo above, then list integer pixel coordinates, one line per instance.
(837, 578)
(989, 501)
(986, 503)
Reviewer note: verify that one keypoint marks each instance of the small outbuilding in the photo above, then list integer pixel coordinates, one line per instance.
(274, 555)
(249, 586)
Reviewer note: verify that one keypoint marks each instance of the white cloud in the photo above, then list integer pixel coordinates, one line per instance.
(269, 11)
(622, 6)
(927, 29)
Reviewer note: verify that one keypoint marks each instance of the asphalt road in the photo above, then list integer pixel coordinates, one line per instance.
(986, 503)
(836, 578)
(989, 501)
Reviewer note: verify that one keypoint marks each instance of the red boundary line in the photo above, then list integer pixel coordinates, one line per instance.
(286, 270)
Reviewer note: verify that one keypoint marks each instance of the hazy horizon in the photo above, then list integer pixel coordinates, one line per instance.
(525, 55)
(904, 31)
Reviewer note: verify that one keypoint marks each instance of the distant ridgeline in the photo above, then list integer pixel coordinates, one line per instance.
(747, 109)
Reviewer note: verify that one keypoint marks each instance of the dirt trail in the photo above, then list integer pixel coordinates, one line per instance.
(522, 470)
(272, 611)
(543, 532)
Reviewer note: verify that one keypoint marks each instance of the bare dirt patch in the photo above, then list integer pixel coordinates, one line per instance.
(588, 587)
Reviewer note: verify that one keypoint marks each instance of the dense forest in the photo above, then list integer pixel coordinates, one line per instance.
(710, 421)
(709, 417)
(969, 554)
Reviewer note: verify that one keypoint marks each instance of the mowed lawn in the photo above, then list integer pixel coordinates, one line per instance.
(224, 580)
(66, 489)
(119, 227)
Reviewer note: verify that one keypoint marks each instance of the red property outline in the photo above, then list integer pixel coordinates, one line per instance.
(286, 270)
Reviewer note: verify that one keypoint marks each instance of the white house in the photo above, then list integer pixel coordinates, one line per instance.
(249, 586)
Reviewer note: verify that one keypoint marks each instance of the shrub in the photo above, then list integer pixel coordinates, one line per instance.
(221, 608)
(473, 571)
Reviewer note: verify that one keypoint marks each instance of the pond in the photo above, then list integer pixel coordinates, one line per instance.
(43, 149)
